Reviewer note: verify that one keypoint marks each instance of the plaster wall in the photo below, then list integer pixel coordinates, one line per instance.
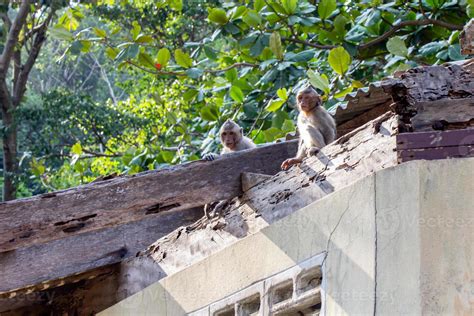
(397, 242)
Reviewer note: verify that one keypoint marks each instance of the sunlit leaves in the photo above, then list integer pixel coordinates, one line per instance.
(397, 46)
(209, 113)
(70, 19)
(61, 33)
(282, 94)
(252, 18)
(289, 6)
(339, 60)
(182, 58)
(318, 81)
(326, 8)
(135, 31)
(218, 16)
(163, 57)
(275, 45)
(99, 32)
(236, 94)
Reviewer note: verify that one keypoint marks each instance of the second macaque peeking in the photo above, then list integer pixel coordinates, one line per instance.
(316, 126)
(232, 140)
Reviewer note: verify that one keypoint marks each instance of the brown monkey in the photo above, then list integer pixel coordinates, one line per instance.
(232, 139)
(316, 126)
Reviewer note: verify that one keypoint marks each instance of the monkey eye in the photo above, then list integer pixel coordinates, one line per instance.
(224, 133)
(231, 133)
(300, 97)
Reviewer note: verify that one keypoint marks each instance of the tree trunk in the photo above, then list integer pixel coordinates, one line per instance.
(10, 164)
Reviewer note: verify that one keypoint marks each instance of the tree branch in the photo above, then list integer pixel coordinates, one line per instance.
(20, 86)
(401, 25)
(319, 46)
(12, 38)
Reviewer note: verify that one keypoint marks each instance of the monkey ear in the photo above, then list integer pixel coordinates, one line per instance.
(241, 131)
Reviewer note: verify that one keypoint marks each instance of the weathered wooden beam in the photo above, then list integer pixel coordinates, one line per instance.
(435, 139)
(435, 153)
(441, 113)
(121, 200)
(27, 268)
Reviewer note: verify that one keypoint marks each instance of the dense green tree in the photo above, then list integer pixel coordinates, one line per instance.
(191, 65)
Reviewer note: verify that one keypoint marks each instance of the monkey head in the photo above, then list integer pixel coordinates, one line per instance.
(308, 99)
(231, 134)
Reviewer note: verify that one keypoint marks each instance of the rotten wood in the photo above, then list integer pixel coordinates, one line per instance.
(362, 118)
(435, 139)
(436, 153)
(441, 114)
(250, 179)
(46, 265)
(348, 159)
(357, 154)
(121, 200)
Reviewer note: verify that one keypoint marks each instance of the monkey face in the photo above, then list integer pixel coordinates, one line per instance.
(308, 100)
(229, 139)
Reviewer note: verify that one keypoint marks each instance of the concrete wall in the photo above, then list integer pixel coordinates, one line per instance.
(397, 242)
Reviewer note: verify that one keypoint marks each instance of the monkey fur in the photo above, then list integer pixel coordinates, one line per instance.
(316, 126)
(232, 140)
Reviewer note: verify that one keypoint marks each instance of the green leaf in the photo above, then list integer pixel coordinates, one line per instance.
(339, 60)
(289, 6)
(272, 134)
(163, 57)
(190, 94)
(326, 8)
(431, 48)
(210, 53)
(303, 56)
(61, 33)
(218, 16)
(282, 94)
(111, 52)
(342, 93)
(397, 46)
(145, 60)
(144, 38)
(236, 94)
(252, 18)
(99, 32)
(275, 45)
(258, 5)
(318, 81)
(274, 105)
(176, 5)
(182, 58)
(209, 113)
(135, 30)
(194, 73)
(76, 149)
(454, 52)
(231, 75)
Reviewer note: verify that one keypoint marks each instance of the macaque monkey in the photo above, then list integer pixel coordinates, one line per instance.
(316, 126)
(232, 140)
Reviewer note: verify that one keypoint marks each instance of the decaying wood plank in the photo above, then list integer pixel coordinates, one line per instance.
(27, 268)
(361, 152)
(363, 118)
(358, 154)
(440, 113)
(421, 140)
(250, 179)
(121, 200)
(436, 153)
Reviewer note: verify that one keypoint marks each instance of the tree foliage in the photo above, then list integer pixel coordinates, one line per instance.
(187, 66)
